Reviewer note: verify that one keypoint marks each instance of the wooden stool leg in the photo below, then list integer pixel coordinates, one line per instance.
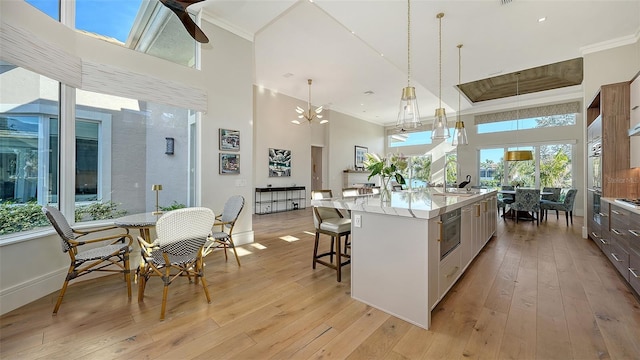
(315, 249)
(339, 260)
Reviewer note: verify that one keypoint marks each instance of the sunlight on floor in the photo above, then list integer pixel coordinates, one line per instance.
(258, 246)
(310, 233)
(289, 238)
(242, 251)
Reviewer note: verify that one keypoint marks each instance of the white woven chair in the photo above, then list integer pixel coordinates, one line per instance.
(222, 239)
(177, 251)
(113, 257)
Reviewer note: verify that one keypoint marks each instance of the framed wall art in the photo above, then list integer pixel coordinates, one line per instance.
(279, 162)
(359, 157)
(229, 140)
(229, 164)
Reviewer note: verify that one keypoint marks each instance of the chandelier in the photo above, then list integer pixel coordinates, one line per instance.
(440, 128)
(408, 115)
(309, 114)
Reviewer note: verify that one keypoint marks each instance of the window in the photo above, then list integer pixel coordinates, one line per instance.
(28, 148)
(451, 168)
(418, 171)
(409, 139)
(119, 146)
(531, 123)
(145, 26)
(551, 166)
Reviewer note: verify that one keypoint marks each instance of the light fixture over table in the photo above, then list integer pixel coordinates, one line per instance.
(309, 114)
(408, 114)
(459, 133)
(517, 154)
(440, 128)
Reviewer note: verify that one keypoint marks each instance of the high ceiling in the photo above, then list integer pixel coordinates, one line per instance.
(353, 47)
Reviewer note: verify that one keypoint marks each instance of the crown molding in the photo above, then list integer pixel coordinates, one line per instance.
(221, 23)
(610, 44)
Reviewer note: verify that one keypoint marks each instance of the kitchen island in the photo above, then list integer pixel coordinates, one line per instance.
(396, 260)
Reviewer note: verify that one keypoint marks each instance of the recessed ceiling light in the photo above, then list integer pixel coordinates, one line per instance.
(287, 75)
(381, 54)
(368, 92)
(542, 19)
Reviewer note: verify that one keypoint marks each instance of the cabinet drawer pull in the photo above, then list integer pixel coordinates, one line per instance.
(616, 231)
(441, 230)
(604, 242)
(633, 272)
(635, 233)
(615, 257)
(616, 212)
(594, 235)
(485, 202)
(455, 270)
(477, 210)
(603, 215)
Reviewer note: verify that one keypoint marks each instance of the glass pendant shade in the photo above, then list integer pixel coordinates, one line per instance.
(440, 128)
(459, 134)
(408, 114)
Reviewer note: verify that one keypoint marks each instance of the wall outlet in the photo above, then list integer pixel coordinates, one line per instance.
(357, 221)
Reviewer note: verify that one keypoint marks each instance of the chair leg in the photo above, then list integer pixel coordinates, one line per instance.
(332, 249)
(566, 215)
(64, 289)
(235, 250)
(571, 216)
(200, 274)
(315, 250)
(338, 260)
(557, 216)
(166, 279)
(127, 273)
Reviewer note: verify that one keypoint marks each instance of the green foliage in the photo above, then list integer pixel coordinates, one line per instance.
(98, 211)
(386, 169)
(21, 217)
(421, 168)
(173, 206)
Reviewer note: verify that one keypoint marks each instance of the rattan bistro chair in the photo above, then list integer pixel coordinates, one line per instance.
(177, 251)
(112, 257)
(227, 220)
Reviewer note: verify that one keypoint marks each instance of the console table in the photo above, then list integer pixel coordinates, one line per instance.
(276, 199)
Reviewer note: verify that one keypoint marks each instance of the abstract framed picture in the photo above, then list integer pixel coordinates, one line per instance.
(229, 140)
(359, 157)
(279, 162)
(229, 164)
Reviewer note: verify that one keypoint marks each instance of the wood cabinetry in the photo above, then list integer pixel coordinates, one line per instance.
(634, 141)
(611, 104)
(620, 242)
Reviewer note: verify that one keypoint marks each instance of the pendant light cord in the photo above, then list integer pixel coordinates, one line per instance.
(459, 78)
(408, 43)
(440, 59)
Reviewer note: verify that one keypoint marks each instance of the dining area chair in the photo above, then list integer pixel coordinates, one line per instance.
(107, 253)
(505, 200)
(223, 238)
(565, 204)
(176, 252)
(555, 193)
(527, 201)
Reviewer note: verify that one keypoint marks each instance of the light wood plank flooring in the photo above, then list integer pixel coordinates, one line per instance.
(533, 293)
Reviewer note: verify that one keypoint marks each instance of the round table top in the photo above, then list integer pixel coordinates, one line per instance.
(142, 220)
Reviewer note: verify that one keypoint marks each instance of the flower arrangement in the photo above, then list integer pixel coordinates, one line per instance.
(387, 170)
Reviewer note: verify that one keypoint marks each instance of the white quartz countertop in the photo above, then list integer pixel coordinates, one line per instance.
(622, 205)
(422, 203)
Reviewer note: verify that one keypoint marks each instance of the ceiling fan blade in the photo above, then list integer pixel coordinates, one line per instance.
(179, 7)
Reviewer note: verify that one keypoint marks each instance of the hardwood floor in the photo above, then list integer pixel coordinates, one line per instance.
(532, 293)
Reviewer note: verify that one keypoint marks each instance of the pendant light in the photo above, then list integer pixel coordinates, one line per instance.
(459, 133)
(308, 114)
(408, 114)
(440, 128)
(517, 154)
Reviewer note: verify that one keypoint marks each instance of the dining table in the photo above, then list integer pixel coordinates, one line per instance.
(521, 214)
(142, 221)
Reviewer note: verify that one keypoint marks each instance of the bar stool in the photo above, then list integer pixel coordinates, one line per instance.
(329, 221)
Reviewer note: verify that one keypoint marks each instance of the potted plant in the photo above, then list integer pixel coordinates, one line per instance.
(387, 170)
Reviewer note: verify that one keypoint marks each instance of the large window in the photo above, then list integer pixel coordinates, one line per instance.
(531, 123)
(551, 166)
(409, 139)
(145, 26)
(120, 148)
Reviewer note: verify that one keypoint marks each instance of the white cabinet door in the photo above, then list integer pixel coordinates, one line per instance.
(466, 235)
